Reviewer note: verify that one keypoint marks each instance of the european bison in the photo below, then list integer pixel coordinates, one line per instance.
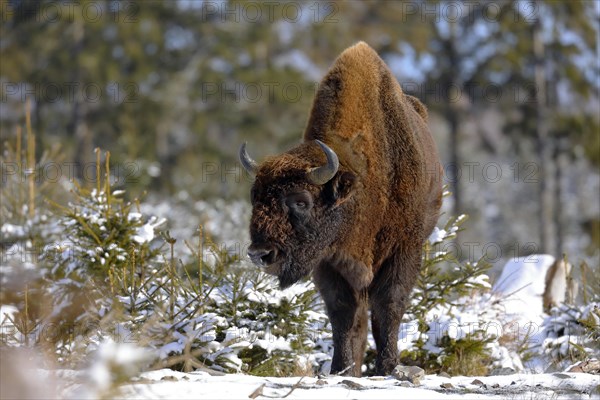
(353, 204)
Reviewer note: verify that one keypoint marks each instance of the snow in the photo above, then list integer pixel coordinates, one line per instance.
(164, 384)
(109, 355)
(272, 342)
(522, 282)
(7, 313)
(10, 229)
(519, 288)
(9, 334)
(482, 280)
(437, 235)
(145, 233)
(275, 297)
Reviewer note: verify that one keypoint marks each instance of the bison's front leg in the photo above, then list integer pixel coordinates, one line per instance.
(347, 310)
(388, 296)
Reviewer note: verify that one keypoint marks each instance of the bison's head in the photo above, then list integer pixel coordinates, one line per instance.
(299, 208)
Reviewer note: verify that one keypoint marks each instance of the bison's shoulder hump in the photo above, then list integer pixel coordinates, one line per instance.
(360, 52)
(360, 62)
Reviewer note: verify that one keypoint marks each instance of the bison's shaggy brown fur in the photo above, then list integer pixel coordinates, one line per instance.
(361, 233)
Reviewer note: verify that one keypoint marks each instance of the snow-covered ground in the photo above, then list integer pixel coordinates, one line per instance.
(169, 384)
(164, 384)
(508, 311)
(521, 281)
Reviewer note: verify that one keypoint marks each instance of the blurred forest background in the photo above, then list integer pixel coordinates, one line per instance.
(173, 88)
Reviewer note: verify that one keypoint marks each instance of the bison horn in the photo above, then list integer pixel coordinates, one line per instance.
(248, 163)
(323, 174)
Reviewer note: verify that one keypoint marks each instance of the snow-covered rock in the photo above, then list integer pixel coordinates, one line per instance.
(522, 285)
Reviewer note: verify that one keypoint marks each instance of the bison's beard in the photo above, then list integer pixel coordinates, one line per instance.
(293, 269)
(289, 276)
(304, 252)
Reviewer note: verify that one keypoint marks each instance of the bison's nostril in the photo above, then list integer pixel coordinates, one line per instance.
(262, 256)
(268, 258)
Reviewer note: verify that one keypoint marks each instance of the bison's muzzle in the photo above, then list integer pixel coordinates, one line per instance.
(262, 256)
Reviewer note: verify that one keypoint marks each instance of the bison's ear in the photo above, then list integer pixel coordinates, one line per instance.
(340, 188)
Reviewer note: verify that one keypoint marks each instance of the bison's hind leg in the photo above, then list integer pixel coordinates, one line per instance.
(347, 309)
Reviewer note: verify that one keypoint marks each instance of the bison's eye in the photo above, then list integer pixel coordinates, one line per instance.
(299, 202)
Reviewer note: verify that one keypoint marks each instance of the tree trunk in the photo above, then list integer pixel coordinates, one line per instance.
(451, 83)
(544, 148)
(452, 118)
(560, 164)
(77, 125)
